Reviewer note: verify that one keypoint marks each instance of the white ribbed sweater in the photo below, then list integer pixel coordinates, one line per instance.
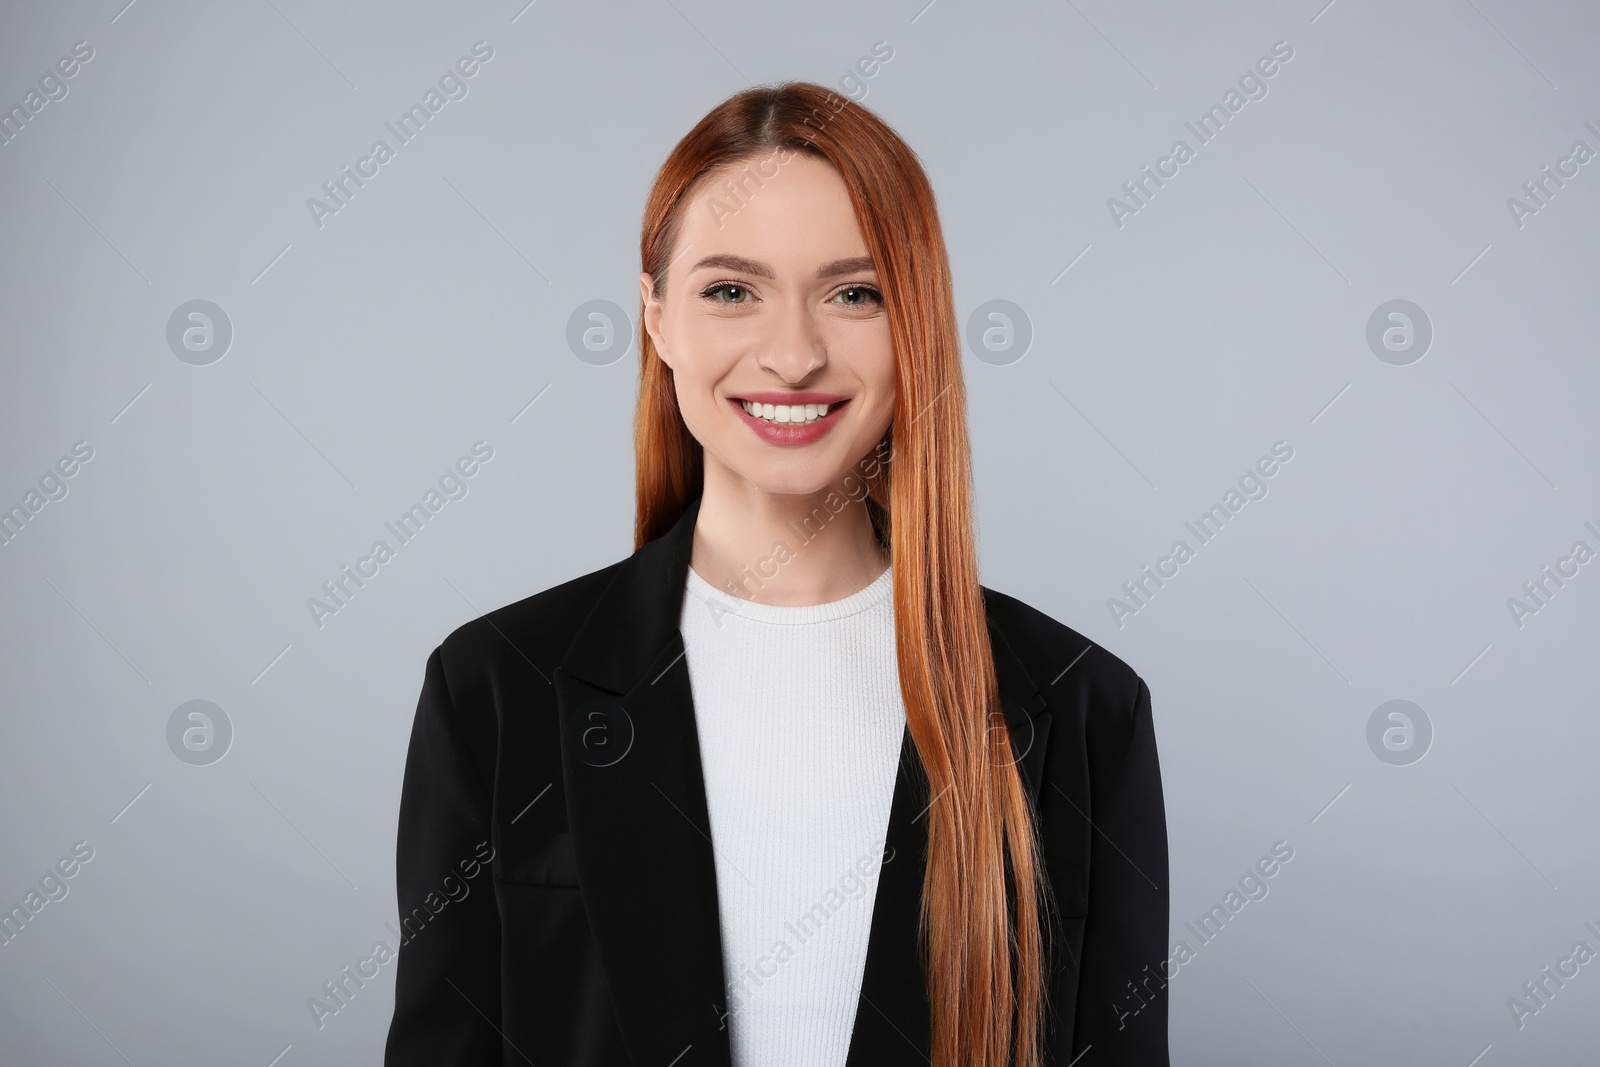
(800, 720)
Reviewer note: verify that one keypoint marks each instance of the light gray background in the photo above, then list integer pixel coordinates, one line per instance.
(1228, 314)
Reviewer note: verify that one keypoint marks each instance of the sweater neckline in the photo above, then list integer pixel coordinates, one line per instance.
(793, 614)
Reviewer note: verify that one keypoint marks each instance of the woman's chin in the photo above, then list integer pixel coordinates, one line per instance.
(786, 481)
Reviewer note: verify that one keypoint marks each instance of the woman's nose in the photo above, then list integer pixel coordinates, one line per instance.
(794, 348)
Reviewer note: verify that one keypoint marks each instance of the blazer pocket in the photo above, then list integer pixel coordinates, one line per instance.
(545, 858)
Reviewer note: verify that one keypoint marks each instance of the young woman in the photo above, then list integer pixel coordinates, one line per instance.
(787, 785)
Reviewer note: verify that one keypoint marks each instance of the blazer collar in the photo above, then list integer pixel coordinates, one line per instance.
(637, 812)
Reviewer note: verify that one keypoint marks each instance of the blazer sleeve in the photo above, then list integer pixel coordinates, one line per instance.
(1122, 995)
(447, 980)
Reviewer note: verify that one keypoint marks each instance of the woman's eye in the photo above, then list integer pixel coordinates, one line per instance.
(736, 294)
(859, 295)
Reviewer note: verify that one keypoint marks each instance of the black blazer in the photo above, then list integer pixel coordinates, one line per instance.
(555, 741)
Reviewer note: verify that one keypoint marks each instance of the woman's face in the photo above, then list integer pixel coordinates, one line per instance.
(775, 303)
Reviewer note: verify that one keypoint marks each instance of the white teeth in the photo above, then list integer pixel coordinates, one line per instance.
(785, 414)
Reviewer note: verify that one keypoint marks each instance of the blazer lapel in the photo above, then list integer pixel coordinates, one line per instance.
(642, 835)
(893, 1015)
(1027, 714)
(637, 811)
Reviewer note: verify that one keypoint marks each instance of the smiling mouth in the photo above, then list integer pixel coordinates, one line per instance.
(789, 414)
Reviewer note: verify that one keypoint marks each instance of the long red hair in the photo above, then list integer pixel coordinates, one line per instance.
(983, 890)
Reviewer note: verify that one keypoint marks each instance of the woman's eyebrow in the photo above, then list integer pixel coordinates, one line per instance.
(846, 266)
(738, 263)
(725, 261)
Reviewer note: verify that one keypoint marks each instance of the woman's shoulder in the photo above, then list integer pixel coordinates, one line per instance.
(536, 630)
(1059, 659)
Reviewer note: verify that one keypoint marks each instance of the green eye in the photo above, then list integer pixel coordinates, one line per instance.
(860, 295)
(739, 293)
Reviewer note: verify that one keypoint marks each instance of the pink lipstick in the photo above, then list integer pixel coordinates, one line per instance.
(789, 419)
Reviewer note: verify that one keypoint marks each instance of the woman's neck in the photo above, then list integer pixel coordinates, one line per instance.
(784, 549)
